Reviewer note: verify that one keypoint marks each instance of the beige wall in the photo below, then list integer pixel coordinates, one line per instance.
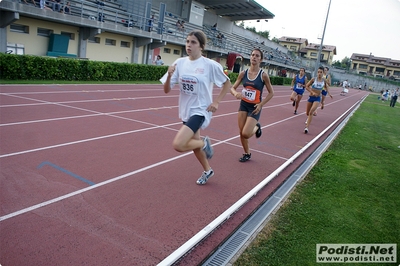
(288, 45)
(141, 54)
(374, 66)
(110, 53)
(38, 45)
(169, 58)
(326, 55)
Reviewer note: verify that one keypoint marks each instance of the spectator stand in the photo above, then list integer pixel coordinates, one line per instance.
(110, 13)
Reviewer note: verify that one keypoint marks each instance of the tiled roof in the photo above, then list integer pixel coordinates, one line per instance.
(371, 59)
(293, 40)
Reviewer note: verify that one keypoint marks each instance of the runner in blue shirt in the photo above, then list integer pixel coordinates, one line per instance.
(298, 86)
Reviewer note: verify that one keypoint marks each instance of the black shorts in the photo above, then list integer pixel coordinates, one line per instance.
(195, 122)
(249, 108)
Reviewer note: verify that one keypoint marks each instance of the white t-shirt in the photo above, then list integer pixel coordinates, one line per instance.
(159, 62)
(195, 79)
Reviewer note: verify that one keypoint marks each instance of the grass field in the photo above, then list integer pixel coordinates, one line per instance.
(351, 196)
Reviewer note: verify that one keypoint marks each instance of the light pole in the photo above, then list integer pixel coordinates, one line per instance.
(322, 42)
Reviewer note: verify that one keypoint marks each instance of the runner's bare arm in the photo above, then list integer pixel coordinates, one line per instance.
(238, 95)
(225, 88)
(167, 84)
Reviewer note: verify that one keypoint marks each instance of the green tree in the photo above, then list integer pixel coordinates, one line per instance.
(346, 63)
(264, 34)
(275, 40)
(252, 29)
(337, 63)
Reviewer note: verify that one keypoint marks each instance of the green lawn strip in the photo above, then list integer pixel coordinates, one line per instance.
(350, 196)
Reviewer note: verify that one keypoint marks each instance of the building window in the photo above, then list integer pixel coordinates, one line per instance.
(70, 35)
(15, 48)
(44, 32)
(94, 39)
(125, 44)
(293, 48)
(177, 52)
(361, 66)
(313, 54)
(167, 51)
(111, 42)
(396, 73)
(19, 28)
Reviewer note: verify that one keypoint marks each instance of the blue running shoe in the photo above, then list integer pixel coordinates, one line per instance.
(204, 177)
(207, 148)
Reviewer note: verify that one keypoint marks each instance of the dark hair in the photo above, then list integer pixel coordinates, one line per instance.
(322, 68)
(257, 49)
(303, 69)
(200, 36)
(327, 68)
(159, 56)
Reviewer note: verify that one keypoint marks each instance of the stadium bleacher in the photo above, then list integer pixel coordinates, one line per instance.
(112, 12)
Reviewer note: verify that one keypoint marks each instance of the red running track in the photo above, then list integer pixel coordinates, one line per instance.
(89, 175)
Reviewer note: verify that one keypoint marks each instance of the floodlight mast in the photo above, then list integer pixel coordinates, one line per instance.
(322, 42)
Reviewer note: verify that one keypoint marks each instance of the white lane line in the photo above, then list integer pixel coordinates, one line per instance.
(87, 140)
(153, 126)
(84, 101)
(192, 242)
(45, 203)
(84, 116)
(66, 196)
(130, 173)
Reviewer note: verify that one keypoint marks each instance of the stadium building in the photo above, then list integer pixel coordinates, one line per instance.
(138, 31)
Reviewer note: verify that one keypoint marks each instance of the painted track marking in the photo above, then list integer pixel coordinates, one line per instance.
(65, 171)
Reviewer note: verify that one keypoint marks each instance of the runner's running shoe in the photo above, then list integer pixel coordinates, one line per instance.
(258, 132)
(207, 148)
(204, 177)
(245, 157)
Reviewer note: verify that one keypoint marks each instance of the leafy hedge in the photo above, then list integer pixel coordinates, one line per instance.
(28, 67)
(274, 80)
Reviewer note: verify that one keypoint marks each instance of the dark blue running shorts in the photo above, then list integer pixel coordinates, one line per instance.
(249, 108)
(195, 122)
(312, 99)
(299, 91)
